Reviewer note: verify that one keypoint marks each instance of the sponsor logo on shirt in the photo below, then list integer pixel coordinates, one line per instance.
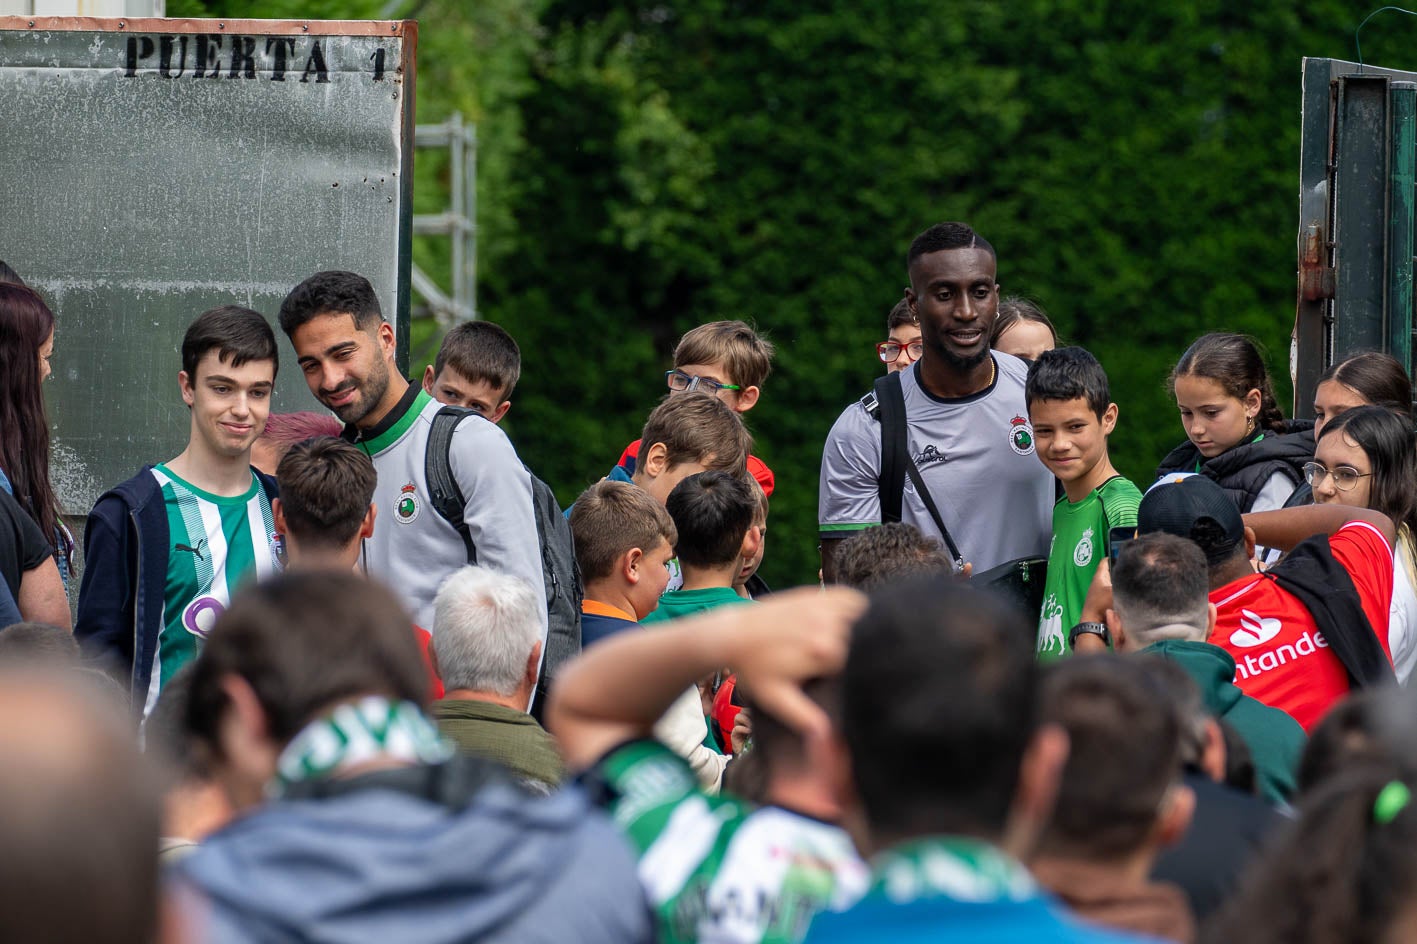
(1021, 436)
(1255, 630)
(406, 506)
(201, 614)
(1082, 554)
(1306, 645)
(930, 454)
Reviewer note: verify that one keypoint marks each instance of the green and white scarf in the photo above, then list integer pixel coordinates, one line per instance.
(949, 867)
(356, 733)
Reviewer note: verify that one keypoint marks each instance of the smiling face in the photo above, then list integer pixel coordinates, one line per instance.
(1213, 419)
(345, 368)
(1070, 438)
(954, 296)
(1331, 399)
(1336, 451)
(229, 404)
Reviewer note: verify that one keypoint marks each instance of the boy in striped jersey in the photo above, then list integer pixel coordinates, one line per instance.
(715, 868)
(165, 550)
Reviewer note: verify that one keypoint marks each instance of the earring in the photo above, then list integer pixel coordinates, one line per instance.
(1250, 427)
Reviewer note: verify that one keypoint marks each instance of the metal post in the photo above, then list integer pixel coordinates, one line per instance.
(470, 189)
(455, 145)
(1400, 222)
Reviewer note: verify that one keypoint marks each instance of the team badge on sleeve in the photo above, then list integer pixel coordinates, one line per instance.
(406, 508)
(1021, 436)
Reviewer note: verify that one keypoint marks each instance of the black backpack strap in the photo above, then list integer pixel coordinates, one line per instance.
(896, 463)
(1311, 573)
(443, 489)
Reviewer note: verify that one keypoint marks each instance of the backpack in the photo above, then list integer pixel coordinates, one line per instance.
(559, 573)
(1019, 582)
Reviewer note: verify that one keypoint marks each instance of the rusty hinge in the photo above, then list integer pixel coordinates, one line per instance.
(1315, 278)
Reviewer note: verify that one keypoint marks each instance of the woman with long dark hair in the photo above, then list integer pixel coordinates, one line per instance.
(26, 344)
(1367, 458)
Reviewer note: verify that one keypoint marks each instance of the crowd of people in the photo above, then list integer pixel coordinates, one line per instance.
(357, 676)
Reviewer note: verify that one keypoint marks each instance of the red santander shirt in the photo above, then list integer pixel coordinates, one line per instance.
(1281, 658)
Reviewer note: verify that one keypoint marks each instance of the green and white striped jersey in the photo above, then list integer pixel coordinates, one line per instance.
(216, 544)
(718, 870)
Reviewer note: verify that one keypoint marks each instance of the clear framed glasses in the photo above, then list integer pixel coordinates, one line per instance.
(888, 351)
(1343, 479)
(679, 382)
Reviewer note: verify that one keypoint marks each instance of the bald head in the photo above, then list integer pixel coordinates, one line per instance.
(80, 830)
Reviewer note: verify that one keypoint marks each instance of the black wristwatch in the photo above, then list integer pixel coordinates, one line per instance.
(1097, 629)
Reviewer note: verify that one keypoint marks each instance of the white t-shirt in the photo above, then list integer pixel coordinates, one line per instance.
(1402, 617)
(975, 455)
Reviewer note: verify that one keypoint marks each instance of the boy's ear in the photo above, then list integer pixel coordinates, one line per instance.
(752, 543)
(1109, 419)
(500, 411)
(278, 516)
(366, 527)
(630, 565)
(428, 378)
(184, 384)
(654, 460)
(747, 399)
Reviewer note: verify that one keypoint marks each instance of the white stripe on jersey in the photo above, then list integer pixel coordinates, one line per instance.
(683, 844)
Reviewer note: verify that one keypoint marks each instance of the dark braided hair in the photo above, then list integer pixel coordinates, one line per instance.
(1234, 362)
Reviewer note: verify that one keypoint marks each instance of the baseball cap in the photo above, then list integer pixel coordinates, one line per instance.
(1194, 507)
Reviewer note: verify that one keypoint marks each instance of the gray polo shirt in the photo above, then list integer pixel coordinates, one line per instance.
(975, 455)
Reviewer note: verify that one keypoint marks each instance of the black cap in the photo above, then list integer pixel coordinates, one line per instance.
(1194, 507)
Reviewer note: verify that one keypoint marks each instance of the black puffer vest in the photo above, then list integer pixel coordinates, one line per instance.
(1243, 470)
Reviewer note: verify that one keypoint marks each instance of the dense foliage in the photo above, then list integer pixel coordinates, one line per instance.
(644, 168)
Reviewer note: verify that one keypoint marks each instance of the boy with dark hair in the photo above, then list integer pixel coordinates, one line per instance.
(888, 554)
(166, 549)
(477, 367)
(713, 514)
(725, 359)
(346, 352)
(946, 770)
(624, 542)
(357, 821)
(717, 868)
(1072, 413)
(325, 512)
(1120, 800)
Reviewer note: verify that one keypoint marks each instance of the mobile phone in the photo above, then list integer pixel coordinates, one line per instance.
(1116, 538)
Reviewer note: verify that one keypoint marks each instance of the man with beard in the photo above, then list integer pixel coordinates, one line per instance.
(345, 348)
(166, 549)
(967, 424)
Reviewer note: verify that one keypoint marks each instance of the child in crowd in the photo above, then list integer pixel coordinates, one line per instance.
(624, 541)
(1070, 407)
(1235, 431)
(713, 513)
(728, 360)
(902, 346)
(747, 584)
(1022, 329)
(477, 367)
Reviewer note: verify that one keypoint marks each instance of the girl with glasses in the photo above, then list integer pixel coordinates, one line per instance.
(1367, 458)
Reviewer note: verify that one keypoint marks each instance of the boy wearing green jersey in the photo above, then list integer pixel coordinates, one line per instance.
(1072, 413)
(166, 550)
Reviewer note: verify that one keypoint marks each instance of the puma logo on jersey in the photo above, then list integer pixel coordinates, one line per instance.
(199, 551)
